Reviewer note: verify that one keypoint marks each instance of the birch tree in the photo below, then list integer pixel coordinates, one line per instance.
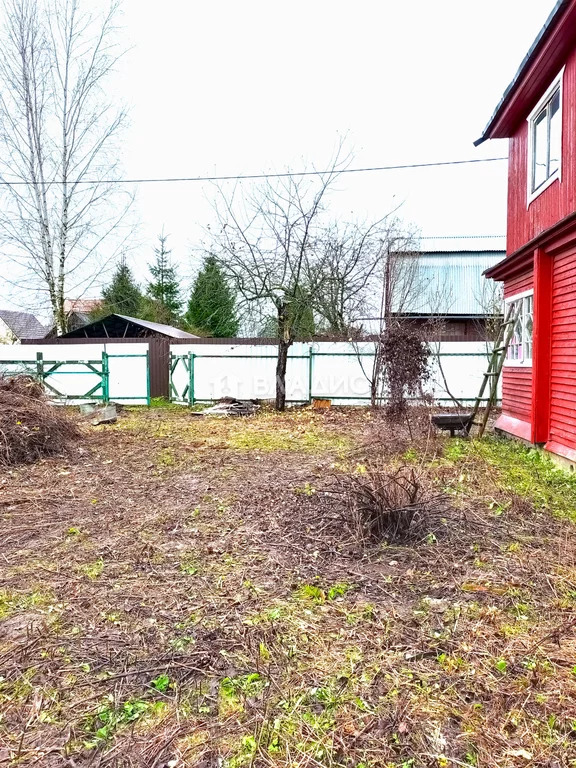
(58, 133)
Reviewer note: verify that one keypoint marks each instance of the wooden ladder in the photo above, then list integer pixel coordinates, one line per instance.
(497, 359)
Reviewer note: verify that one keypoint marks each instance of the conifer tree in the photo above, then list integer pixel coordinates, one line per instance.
(211, 308)
(163, 303)
(123, 296)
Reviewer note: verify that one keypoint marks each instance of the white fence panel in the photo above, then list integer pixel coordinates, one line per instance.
(129, 373)
(128, 380)
(340, 371)
(457, 371)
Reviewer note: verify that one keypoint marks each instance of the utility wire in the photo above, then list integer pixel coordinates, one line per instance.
(252, 176)
(462, 237)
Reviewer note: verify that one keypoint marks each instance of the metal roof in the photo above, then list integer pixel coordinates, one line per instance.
(167, 330)
(23, 325)
(549, 25)
(451, 283)
(98, 328)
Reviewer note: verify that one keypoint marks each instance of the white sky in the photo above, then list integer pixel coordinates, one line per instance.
(226, 87)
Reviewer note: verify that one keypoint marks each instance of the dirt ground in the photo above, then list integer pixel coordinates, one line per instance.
(181, 591)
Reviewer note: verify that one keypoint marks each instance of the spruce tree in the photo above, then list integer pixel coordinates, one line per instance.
(123, 295)
(211, 306)
(163, 302)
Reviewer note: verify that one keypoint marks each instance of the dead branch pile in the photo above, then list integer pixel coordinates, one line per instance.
(30, 428)
(229, 406)
(390, 506)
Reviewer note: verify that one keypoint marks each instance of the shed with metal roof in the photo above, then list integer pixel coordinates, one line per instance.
(116, 326)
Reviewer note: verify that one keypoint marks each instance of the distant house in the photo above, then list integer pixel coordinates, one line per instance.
(123, 327)
(538, 115)
(16, 327)
(449, 287)
(79, 311)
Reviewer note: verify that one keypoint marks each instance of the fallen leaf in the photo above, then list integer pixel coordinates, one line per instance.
(519, 753)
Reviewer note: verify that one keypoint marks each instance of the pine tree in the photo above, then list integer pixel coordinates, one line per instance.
(163, 303)
(211, 306)
(123, 295)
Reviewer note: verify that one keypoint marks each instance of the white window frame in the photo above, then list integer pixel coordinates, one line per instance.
(523, 362)
(556, 85)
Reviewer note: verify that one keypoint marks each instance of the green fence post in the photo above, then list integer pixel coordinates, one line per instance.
(105, 377)
(40, 367)
(148, 377)
(191, 357)
(310, 369)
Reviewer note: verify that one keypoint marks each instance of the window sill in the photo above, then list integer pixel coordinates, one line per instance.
(548, 183)
(518, 364)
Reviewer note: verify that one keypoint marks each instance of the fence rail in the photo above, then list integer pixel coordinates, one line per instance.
(49, 373)
(196, 377)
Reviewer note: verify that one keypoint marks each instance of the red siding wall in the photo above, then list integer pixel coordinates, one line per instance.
(563, 367)
(559, 199)
(517, 382)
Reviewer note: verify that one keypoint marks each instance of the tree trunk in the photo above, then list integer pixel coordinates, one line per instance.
(284, 342)
(283, 347)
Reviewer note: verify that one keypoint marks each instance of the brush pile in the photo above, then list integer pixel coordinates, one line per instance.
(391, 506)
(30, 428)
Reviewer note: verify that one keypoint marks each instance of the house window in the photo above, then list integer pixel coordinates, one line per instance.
(520, 348)
(545, 140)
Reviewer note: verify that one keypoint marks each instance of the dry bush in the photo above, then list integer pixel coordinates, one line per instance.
(30, 428)
(392, 506)
(405, 358)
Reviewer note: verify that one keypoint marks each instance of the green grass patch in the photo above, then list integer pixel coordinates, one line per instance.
(14, 602)
(267, 436)
(526, 471)
(111, 718)
(163, 402)
(93, 570)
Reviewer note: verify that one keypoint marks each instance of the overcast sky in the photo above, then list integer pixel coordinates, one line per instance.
(229, 87)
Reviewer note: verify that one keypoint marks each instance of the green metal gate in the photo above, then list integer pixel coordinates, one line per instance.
(45, 371)
(182, 378)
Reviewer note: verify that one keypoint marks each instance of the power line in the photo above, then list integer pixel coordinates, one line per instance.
(463, 237)
(254, 176)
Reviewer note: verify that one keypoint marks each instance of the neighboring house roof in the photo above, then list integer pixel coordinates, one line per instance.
(23, 325)
(81, 306)
(451, 283)
(541, 64)
(116, 326)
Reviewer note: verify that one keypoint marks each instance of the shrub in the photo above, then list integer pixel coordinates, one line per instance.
(389, 505)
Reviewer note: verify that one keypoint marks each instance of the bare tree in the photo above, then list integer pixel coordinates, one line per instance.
(268, 243)
(57, 137)
(490, 299)
(350, 255)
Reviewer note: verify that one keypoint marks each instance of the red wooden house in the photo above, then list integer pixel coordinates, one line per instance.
(538, 115)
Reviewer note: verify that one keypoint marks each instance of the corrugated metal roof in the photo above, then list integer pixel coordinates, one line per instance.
(549, 25)
(108, 327)
(451, 283)
(23, 325)
(476, 244)
(167, 330)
